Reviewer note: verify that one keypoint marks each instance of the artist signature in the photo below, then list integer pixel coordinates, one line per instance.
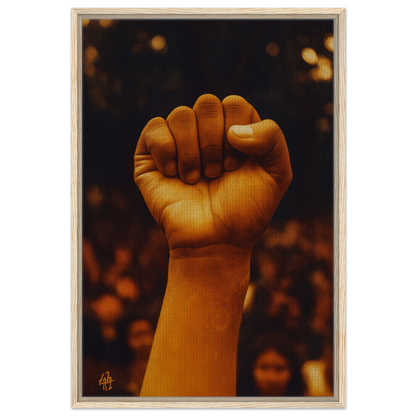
(106, 381)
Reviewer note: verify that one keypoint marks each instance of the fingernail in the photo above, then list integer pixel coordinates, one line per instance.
(171, 168)
(230, 163)
(242, 131)
(193, 176)
(213, 170)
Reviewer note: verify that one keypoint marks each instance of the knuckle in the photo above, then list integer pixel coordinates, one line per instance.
(207, 98)
(181, 116)
(208, 105)
(162, 145)
(272, 124)
(158, 138)
(189, 159)
(211, 148)
(155, 123)
(155, 128)
(236, 106)
(234, 101)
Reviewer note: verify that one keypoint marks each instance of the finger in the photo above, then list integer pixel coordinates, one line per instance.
(254, 118)
(210, 119)
(182, 123)
(156, 149)
(266, 142)
(237, 111)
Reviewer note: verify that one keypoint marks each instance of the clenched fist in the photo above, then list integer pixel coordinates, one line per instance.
(212, 177)
(213, 174)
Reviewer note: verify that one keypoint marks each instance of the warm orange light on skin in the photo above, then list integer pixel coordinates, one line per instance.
(211, 221)
(272, 373)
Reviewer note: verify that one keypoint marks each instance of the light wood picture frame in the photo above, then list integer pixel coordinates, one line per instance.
(336, 131)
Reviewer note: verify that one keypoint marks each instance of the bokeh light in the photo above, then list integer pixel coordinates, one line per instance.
(85, 22)
(95, 197)
(323, 71)
(323, 125)
(105, 23)
(329, 42)
(272, 49)
(158, 44)
(90, 56)
(309, 56)
(329, 109)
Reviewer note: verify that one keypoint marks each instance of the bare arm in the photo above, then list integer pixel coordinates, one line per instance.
(195, 349)
(212, 201)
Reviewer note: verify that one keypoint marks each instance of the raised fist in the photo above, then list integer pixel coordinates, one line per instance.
(213, 174)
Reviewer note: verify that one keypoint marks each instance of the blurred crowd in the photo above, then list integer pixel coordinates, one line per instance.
(286, 335)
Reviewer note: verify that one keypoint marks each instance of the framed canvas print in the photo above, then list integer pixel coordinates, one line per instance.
(208, 220)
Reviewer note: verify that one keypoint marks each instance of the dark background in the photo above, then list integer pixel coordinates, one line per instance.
(134, 70)
(132, 84)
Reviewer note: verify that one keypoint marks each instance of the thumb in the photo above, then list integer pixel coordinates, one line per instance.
(266, 142)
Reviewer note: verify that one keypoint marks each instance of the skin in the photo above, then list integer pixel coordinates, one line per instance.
(271, 373)
(213, 193)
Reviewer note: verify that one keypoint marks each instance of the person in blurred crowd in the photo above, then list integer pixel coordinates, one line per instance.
(319, 374)
(270, 367)
(281, 300)
(103, 347)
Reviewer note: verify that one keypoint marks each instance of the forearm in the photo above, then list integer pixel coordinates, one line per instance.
(195, 348)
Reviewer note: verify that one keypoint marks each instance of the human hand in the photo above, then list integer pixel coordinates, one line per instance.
(213, 174)
(212, 177)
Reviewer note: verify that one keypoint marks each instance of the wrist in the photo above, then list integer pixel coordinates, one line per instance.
(209, 284)
(215, 268)
(227, 251)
